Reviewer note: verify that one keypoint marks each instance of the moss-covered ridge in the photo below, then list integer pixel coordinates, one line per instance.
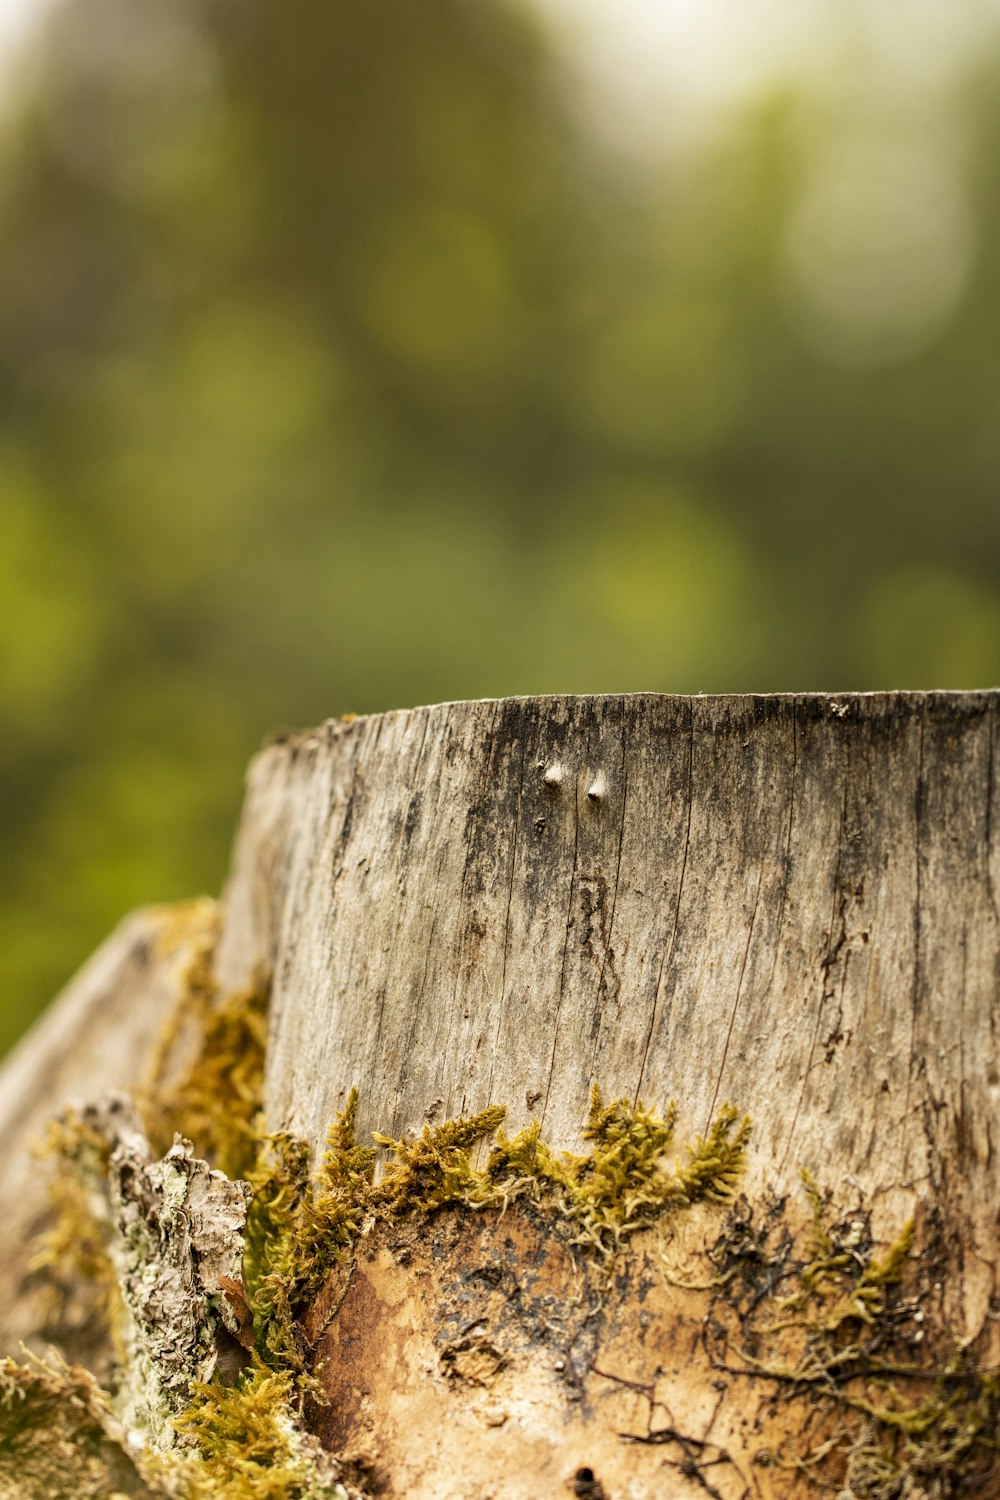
(847, 1330)
(298, 1228)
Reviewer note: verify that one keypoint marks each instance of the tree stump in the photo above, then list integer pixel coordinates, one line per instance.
(783, 908)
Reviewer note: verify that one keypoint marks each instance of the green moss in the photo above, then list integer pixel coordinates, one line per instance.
(247, 1445)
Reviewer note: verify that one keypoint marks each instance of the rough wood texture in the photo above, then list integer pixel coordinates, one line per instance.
(787, 902)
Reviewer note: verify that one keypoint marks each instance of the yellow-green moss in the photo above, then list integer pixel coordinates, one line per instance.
(246, 1445)
(214, 1095)
(58, 1437)
(625, 1181)
(297, 1229)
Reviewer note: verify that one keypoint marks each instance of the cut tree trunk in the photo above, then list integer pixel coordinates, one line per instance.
(784, 903)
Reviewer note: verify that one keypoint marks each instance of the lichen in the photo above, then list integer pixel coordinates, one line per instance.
(205, 1082)
(168, 1235)
(178, 1242)
(74, 1279)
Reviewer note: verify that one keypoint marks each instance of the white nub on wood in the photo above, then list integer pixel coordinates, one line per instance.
(598, 788)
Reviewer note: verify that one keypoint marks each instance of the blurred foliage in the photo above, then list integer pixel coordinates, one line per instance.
(342, 367)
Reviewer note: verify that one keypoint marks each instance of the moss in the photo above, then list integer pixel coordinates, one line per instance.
(247, 1445)
(889, 1405)
(626, 1180)
(213, 1096)
(838, 1326)
(715, 1163)
(58, 1437)
(297, 1229)
(71, 1256)
(435, 1168)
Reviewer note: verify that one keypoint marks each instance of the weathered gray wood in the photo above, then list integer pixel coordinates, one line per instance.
(786, 902)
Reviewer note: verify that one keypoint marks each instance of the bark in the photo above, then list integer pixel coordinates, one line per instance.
(788, 903)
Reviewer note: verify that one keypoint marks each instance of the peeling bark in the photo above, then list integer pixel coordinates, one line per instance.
(175, 1236)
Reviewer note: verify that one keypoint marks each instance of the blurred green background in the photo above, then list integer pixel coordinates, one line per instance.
(364, 355)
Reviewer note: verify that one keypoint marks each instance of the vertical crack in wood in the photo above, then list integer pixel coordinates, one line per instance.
(832, 946)
(328, 1041)
(669, 945)
(400, 867)
(565, 951)
(501, 1008)
(468, 935)
(608, 955)
(963, 1141)
(918, 805)
(990, 777)
(736, 1002)
(787, 866)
